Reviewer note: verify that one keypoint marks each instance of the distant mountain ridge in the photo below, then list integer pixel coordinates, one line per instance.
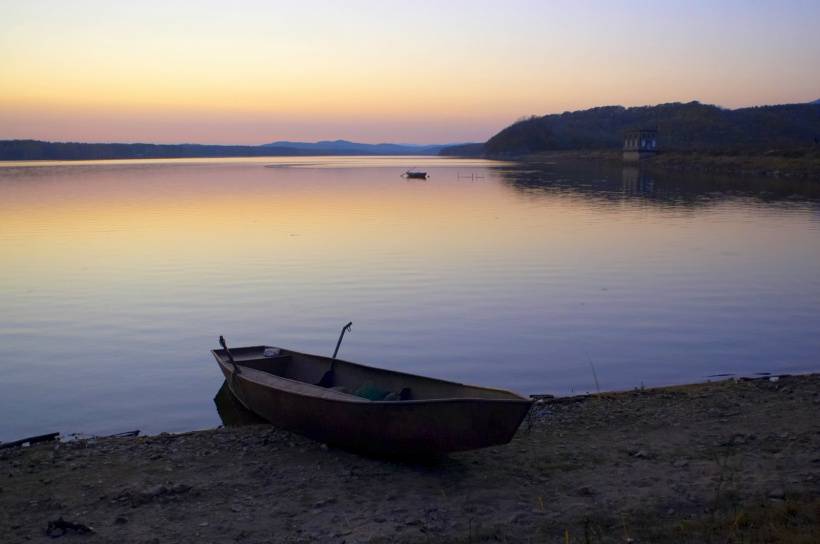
(688, 126)
(21, 150)
(347, 147)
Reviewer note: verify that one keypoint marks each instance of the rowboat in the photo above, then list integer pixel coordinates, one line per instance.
(368, 409)
(415, 174)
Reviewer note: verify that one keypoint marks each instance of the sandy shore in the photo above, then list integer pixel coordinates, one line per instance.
(718, 462)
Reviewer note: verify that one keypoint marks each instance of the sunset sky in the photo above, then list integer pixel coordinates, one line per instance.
(251, 72)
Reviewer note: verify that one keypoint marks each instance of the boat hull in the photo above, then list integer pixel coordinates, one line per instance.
(414, 427)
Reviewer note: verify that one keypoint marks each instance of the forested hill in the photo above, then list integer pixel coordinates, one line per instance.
(681, 127)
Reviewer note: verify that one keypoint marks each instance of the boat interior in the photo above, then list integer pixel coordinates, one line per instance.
(350, 381)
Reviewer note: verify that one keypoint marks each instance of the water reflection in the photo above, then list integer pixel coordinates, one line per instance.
(608, 181)
(231, 412)
(637, 181)
(118, 278)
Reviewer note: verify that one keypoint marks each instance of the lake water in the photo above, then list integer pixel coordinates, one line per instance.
(118, 277)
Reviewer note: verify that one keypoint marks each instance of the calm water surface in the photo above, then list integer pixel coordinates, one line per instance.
(118, 277)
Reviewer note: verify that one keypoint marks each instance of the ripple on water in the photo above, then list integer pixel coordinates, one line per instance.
(118, 278)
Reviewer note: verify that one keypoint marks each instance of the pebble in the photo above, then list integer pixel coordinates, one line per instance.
(180, 488)
(777, 494)
(323, 502)
(155, 491)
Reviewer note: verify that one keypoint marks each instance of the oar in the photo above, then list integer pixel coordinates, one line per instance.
(328, 378)
(228, 353)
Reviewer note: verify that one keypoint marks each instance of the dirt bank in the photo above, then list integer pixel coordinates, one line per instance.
(727, 461)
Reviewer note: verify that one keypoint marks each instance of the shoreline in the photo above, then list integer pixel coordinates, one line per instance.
(716, 460)
(762, 165)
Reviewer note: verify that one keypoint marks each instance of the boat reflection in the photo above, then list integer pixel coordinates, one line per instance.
(231, 411)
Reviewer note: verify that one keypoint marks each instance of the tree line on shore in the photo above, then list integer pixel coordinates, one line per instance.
(683, 127)
(27, 150)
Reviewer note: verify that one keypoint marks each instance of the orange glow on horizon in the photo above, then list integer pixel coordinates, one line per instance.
(426, 73)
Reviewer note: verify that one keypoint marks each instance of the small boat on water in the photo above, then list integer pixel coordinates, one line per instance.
(415, 174)
(368, 409)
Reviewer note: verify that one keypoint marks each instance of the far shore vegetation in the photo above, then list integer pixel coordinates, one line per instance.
(32, 150)
(781, 140)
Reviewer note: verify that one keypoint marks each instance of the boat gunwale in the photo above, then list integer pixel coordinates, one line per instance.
(519, 399)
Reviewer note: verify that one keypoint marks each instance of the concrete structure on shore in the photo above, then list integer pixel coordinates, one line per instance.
(640, 144)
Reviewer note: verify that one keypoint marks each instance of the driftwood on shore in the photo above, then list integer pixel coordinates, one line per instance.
(29, 440)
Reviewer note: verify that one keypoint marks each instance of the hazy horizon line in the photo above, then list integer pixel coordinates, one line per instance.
(284, 140)
(273, 143)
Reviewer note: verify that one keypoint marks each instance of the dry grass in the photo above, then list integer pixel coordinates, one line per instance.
(792, 521)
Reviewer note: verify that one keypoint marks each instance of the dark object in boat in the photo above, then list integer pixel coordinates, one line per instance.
(413, 415)
(415, 174)
(29, 440)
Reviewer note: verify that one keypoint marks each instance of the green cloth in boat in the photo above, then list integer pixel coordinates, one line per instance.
(371, 392)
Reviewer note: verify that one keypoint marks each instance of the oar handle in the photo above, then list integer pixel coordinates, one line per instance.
(228, 353)
(345, 329)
